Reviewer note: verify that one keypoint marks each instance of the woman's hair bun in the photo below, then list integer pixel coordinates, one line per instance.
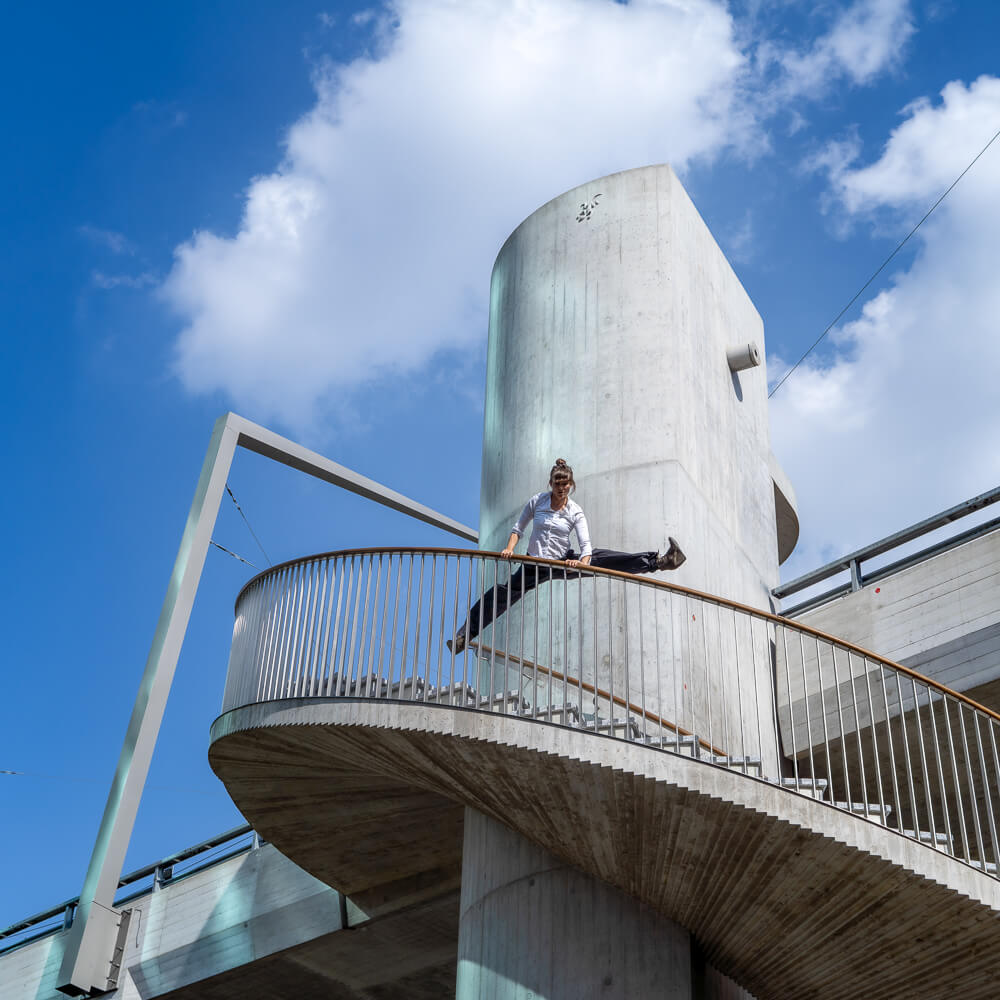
(561, 462)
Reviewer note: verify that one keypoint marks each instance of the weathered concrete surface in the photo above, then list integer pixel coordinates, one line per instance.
(608, 341)
(609, 332)
(533, 925)
(258, 925)
(788, 896)
(941, 617)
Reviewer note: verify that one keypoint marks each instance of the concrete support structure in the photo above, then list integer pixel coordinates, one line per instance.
(533, 926)
(613, 319)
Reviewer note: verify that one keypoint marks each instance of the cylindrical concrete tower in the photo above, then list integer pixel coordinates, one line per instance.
(614, 322)
(612, 310)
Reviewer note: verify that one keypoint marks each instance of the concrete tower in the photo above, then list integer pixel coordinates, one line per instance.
(617, 332)
(612, 312)
(621, 340)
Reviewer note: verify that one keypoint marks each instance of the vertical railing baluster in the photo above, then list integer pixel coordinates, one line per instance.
(304, 645)
(548, 665)
(658, 664)
(580, 659)
(494, 705)
(857, 733)
(991, 727)
(875, 756)
(909, 762)
(940, 770)
(977, 827)
(329, 639)
(960, 807)
(791, 710)
(772, 683)
(927, 783)
(988, 798)
(415, 695)
(640, 592)
(597, 654)
(373, 688)
(403, 653)
(287, 623)
(744, 750)
(441, 628)
(727, 747)
(842, 730)
(364, 636)
(708, 680)
(390, 669)
(430, 628)
(380, 669)
(336, 687)
(808, 714)
(826, 728)
(625, 641)
(892, 749)
(565, 646)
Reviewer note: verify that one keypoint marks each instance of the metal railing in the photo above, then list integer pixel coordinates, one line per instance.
(853, 563)
(636, 659)
(170, 869)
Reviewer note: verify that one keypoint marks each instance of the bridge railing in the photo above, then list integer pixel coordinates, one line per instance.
(630, 658)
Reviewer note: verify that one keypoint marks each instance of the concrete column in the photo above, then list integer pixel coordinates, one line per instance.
(534, 928)
(612, 311)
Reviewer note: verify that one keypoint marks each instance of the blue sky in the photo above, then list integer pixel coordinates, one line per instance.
(291, 211)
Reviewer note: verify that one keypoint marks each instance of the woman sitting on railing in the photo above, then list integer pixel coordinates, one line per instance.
(554, 518)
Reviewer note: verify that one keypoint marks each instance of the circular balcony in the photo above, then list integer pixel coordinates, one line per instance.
(704, 756)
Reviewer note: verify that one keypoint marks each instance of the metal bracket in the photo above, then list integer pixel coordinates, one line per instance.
(91, 938)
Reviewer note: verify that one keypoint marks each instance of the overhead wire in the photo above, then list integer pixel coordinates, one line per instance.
(229, 552)
(252, 532)
(882, 266)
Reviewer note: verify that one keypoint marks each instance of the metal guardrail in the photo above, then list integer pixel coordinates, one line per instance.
(203, 855)
(854, 561)
(635, 659)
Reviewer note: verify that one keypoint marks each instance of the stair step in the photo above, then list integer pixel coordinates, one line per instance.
(736, 763)
(873, 809)
(568, 714)
(508, 701)
(617, 726)
(454, 694)
(816, 787)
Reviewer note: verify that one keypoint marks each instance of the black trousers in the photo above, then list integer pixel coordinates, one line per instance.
(498, 599)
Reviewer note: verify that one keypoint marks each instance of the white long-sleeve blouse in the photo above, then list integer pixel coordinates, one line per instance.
(550, 529)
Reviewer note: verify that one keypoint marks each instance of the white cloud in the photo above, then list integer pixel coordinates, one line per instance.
(111, 281)
(905, 413)
(370, 248)
(107, 238)
(865, 39)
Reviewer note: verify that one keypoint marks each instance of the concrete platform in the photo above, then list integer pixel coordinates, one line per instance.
(788, 896)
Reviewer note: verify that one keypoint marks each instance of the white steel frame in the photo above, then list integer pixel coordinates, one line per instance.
(89, 952)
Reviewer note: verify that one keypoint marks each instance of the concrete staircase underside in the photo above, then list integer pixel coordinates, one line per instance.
(790, 897)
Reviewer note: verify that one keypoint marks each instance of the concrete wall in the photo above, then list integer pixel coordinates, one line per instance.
(940, 617)
(226, 916)
(533, 927)
(608, 341)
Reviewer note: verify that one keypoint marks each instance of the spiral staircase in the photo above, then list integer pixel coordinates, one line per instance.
(826, 826)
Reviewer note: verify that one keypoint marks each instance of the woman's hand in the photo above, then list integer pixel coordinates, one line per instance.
(508, 549)
(585, 561)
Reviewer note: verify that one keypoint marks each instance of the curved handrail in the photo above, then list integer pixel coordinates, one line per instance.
(646, 581)
(635, 658)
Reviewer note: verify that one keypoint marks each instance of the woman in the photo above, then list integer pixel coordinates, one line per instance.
(554, 517)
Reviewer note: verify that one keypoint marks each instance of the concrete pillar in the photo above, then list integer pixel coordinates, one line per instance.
(534, 928)
(612, 313)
